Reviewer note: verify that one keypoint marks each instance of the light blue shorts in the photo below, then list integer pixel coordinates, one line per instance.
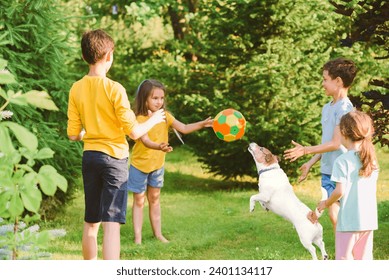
(138, 180)
(327, 184)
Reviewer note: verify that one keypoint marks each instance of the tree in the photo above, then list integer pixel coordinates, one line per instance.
(370, 25)
(263, 58)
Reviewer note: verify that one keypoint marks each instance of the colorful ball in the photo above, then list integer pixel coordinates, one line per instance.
(229, 125)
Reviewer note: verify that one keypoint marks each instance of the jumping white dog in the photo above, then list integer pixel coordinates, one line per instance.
(276, 194)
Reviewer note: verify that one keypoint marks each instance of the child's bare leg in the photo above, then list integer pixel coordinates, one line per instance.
(137, 216)
(153, 195)
(89, 241)
(111, 241)
(333, 211)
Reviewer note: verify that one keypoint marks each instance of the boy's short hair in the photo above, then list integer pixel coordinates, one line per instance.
(95, 44)
(343, 68)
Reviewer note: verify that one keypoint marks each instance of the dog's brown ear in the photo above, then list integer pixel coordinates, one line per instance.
(270, 158)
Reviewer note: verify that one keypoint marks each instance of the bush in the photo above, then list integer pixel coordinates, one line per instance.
(34, 39)
(21, 183)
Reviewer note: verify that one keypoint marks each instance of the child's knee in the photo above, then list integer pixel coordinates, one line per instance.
(139, 200)
(153, 199)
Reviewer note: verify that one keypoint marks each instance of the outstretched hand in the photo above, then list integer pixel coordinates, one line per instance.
(294, 153)
(208, 122)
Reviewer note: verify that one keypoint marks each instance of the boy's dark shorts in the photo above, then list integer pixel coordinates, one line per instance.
(105, 181)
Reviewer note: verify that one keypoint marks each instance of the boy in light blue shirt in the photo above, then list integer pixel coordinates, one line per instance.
(338, 75)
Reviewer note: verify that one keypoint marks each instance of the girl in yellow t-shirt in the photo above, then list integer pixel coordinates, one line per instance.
(146, 171)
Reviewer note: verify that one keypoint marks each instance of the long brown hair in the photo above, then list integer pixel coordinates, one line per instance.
(358, 126)
(145, 89)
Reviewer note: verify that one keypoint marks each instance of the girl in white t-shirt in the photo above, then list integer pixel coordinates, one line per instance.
(355, 174)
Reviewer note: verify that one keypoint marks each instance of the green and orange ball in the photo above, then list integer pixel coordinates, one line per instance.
(229, 125)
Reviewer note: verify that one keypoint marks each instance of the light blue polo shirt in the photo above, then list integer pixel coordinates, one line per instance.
(358, 206)
(330, 118)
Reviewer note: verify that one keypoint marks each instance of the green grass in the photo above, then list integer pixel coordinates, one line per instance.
(206, 218)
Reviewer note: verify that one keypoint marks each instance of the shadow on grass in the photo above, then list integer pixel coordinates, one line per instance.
(176, 182)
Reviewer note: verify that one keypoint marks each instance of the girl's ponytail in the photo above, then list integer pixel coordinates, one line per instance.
(358, 127)
(368, 157)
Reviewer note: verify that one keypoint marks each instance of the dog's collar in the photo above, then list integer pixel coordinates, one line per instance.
(267, 169)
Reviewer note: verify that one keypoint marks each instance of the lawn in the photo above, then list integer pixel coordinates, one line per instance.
(206, 218)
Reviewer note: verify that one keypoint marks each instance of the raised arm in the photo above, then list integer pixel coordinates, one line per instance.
(189, 128)
(300, 150)
(141, 129)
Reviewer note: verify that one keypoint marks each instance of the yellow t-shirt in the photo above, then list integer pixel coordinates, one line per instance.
(146, 159)
(101, 107)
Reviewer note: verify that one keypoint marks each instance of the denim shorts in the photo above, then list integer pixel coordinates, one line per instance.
(327, 184)
(138, 180)
(105, 181)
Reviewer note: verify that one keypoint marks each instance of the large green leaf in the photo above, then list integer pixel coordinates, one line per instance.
(61, 182)
(46, 184)
(40, 99)
(47, 179)
(6, 77)
(17, 98)
(51, 179)
(4, 203)
(44, 153)
(32, 200)
(31, 196)
(6, 144)
(24, 136)
(5, 177)
(16, 207)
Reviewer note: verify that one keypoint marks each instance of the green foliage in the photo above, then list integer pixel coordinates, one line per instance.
(21, 187)
(26, 242)
(265, 65)
(369, 26)
(263, 58)
(34, 39)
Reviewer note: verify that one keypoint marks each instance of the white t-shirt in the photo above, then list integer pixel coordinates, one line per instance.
(358, 206)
